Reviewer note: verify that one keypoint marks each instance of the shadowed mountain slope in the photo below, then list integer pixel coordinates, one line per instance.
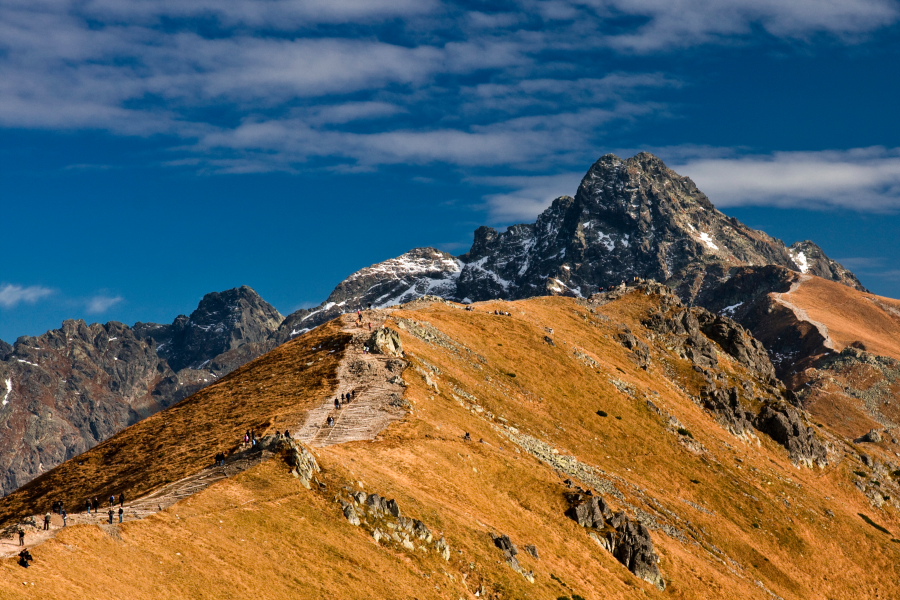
(622, 444)
(63, 392)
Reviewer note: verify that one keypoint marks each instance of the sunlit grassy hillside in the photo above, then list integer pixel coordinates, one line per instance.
(728, 516)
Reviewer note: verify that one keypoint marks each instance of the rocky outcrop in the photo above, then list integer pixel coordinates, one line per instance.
(737, 342)
(387, 524)
(385, 341)
(510, 553)
(728, 409)
(626, 539)
(67, 390)
(685, 337)
(786, 425)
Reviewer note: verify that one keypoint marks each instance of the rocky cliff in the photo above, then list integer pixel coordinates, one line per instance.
(63, 392)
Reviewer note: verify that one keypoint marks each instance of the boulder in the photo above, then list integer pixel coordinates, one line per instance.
(385, 341)
(873, 437)
(726, 405)
(627, 540)
(785, 424)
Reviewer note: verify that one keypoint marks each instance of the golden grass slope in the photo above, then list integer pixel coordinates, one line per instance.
(733, 517)
(850, 315)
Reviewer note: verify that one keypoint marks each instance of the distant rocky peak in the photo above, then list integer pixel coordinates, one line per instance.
(810, 259)
(222, 322)
(228, 308)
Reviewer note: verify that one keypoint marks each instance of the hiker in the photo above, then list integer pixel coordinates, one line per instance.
(287, 433)
(467, 437)
(88, 505)
(337, 404)
(65, 517)
(47, 522)
(121, 499)
(247, 437)
(96, 503)
(121, 513)
(330, 421)
(110, 516)
(112, 500)
(25, 558)
(21, 533)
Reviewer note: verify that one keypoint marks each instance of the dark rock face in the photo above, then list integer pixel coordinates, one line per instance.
(699, 335)
(785, 424)
(71, 388)
(627, 540)
(630, 218)
(223, 321)
(728, 408)
(736, 342)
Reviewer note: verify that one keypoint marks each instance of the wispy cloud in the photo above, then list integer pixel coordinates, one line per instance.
(11, 295)
(685, 23)
(527, 196)
(861, 179)
(101, 303)
(269, 85)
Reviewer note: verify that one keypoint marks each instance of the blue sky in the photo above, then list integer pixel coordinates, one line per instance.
(152, 151)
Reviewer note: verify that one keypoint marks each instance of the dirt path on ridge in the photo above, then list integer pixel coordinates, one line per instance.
(378, 403)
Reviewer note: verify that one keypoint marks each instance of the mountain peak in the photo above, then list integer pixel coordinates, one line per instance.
(630, 218)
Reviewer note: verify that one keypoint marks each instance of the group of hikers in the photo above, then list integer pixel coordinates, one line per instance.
(359, 317)
(94, 504)
(91, 505)
(339, 404)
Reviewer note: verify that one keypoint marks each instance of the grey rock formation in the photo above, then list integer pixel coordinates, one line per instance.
(872, 437)
(385, 341)
(726, 405)
(627, 540)
(785, 424)
(71, 388)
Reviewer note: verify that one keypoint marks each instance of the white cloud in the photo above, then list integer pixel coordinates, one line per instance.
(528, 196)
(11, 295)
(100, 303)
(267, 88)
(278, 14)
(861, 179)
(685, 23)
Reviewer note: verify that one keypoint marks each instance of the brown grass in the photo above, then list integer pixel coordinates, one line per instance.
(269, 393)
(752, 515)
(851, 315)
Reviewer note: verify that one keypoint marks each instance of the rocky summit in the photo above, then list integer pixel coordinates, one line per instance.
(629, 218)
